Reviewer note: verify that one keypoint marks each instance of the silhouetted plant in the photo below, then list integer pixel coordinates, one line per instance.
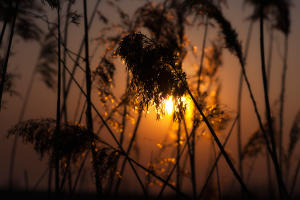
(283, 24)
(74, 139)
(152, 77)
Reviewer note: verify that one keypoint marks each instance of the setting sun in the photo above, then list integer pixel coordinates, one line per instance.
(169, 106)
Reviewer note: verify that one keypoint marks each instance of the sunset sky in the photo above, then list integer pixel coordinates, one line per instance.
(42, 101)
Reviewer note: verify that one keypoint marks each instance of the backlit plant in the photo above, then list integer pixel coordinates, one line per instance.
(152, 75)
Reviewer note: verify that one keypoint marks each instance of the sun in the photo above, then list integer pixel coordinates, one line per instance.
(169, 109)
(169, 106)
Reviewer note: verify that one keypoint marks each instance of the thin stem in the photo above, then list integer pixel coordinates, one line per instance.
(268, 82)
(281, 109)
(217, 170)
(83, 109)
(191, 150)
(177, 157)
(79, 100)
(270, 57)
(202, 55)
(269, 176)
(57, 191)
(65, 61)
(240, 102)
(89, 118)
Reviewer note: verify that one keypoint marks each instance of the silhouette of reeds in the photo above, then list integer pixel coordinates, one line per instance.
(159, 60)
(143, 56)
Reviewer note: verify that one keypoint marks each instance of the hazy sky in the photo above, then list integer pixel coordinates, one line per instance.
(42, 102)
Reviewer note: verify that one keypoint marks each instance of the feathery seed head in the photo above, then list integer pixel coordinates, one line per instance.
(152, 68)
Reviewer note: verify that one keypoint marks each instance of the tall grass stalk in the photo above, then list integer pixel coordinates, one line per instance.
(65, 61)
(177, 157)
(280, 182)
(79, 101)
(239, 126)
(193, 142)
(268, 81)
(217, 170)
(271, 36)
(191, 151)
(239, 102)
(8, 52)
(202, 55)
(89, 118)
(282, 93)
(57, 194)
